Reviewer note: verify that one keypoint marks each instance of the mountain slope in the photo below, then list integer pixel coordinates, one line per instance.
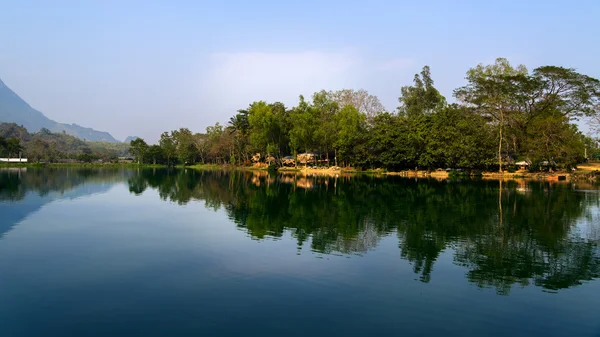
(13, 109)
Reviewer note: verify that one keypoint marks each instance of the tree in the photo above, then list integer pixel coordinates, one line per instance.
(350, 124)
(494, 91)
(573, 94)
(155, 154)
(13, 146)
(325, 111)
(202, 144)
(365, 103)
(2, 145)
(37, 150)
(457, 137)
(528, 107)
(218, 146)
(168, 146)
(268, 128)
(239, 127)
(302, 126)
(422, 97)
(184, 142)
(86, 155)
(138, 149)
(417, 104)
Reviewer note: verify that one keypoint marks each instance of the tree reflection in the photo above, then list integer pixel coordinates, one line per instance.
(506, 234)
(16, 182)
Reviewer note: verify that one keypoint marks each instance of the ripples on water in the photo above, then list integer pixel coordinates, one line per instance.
(376, 250)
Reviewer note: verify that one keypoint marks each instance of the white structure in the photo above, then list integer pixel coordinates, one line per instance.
(13, 160)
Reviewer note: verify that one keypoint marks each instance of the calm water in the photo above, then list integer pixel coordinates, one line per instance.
(184, 253)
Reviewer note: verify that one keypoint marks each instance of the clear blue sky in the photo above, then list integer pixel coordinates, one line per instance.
(143, 67)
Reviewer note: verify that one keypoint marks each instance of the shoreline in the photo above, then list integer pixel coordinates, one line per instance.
(586, 171)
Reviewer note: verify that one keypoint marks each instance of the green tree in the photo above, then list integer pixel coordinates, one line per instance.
(138, 149)
(495, 92)
(184, 141)
(422, 97)
(351, 127)
(13, 147)
(168, 146)
(156, 154)
(325, 111)
(302, 129)
(86, 155)
(239, 127)
(268, 126)
(2, 145)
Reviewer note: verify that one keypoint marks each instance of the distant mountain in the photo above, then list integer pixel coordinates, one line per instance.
(130, 138)
(13, 109)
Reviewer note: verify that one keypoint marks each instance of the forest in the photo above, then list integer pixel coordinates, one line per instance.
(502, 115)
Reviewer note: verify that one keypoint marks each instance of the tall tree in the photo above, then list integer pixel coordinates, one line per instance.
(494, 91)
(168, 146)
(325, 111)
(184, 142)
(138, 149)
(302, 127)
(365, 103)
(238, 126)
(422, 97)
(351, 125)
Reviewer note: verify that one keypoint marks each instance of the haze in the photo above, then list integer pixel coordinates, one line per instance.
(144, 67)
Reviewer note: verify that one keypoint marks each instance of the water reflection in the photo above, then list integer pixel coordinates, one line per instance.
(17, 182)
(504, 234)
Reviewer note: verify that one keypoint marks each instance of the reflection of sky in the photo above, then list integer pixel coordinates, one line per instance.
(140, 263)
(14, 211)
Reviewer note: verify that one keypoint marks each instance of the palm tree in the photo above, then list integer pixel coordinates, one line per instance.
(239, 127)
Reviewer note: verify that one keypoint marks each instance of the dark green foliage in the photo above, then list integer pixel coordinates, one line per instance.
(138, 149)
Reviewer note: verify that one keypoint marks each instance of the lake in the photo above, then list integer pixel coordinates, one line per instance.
(116, 252)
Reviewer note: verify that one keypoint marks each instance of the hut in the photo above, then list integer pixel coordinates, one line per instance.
(305, 158)
(288, 161)
(523, 165)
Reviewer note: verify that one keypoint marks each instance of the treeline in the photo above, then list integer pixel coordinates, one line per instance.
(51, 147)
(502, 115)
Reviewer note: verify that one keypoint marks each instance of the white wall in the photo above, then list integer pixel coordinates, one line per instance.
(13, 160)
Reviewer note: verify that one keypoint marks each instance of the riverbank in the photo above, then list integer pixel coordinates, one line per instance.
(586, 171)
(554, 176)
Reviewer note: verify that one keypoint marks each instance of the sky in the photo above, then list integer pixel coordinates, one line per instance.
(143, 67)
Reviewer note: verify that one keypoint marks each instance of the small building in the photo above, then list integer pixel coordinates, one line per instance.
(523, 165)
(305, 158)
(13, 160)
(288, 161)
